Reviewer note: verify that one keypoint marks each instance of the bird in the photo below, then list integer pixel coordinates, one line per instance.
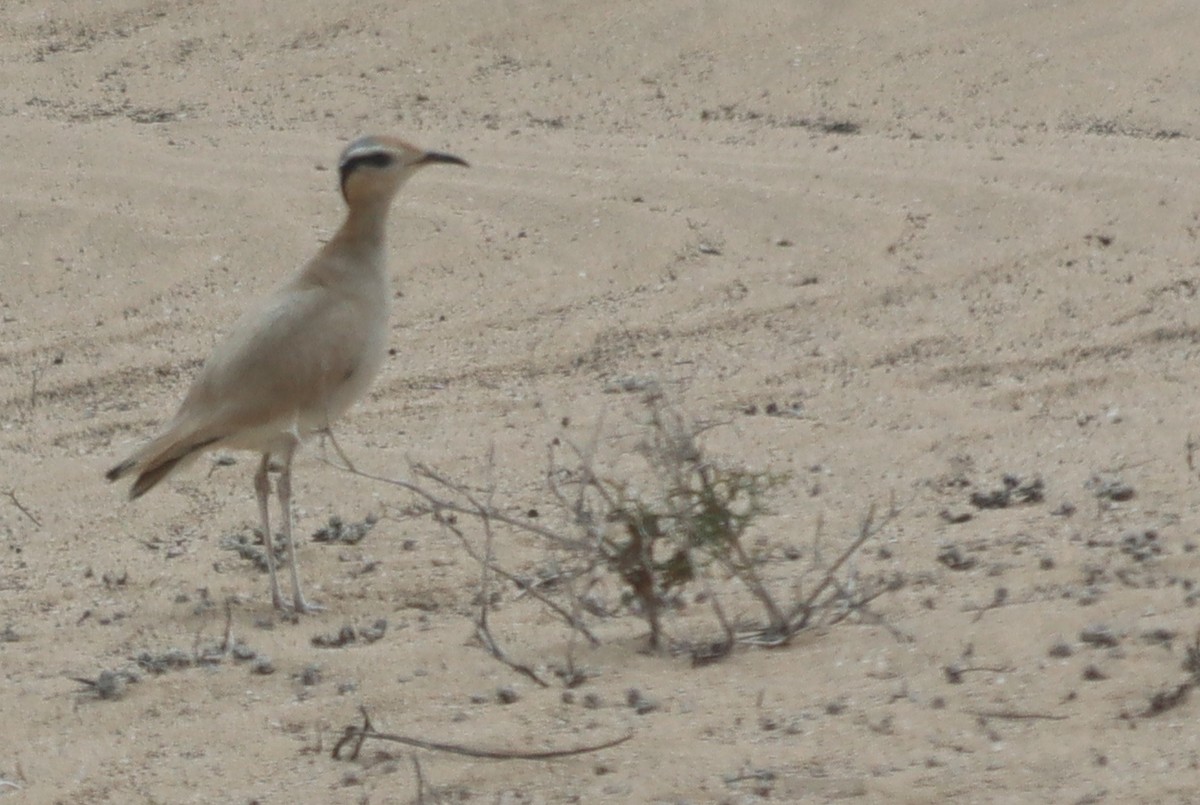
(299, 359)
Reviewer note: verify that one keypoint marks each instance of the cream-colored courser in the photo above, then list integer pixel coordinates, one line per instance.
(292, 365)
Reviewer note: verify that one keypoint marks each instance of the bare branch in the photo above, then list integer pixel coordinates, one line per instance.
(11, 494)
(482, 630)
(801, 614)
(354, 737)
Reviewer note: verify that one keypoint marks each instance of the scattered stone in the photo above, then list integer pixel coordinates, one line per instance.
(1064, 509)
(1013, 491)
(1113, 489)
(375, 631)
(794, 410)
(170, 660)
(1165, 700)
(108, 685)
(1061, 650)
(1160, 637)
(111, 685)
(1099, 635)
(640, 704)
(253, 549)
(956, 515)
(343, 637)
(345, 533)
(1141, 545)
(835, 707)
(953, 557)
(242, 652)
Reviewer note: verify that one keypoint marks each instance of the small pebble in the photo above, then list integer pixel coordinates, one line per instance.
(241, 651)
(1099, 635)
(110, 685)
(1061, 650)
(311, 675)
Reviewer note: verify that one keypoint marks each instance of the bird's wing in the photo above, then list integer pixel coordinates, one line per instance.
(280, 360)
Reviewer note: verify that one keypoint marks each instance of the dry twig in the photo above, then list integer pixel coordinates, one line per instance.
(11, 494)
(354, 737)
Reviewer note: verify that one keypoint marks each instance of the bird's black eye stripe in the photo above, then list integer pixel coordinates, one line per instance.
(375, 159)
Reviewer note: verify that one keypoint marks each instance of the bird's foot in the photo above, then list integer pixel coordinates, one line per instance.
(302, 607)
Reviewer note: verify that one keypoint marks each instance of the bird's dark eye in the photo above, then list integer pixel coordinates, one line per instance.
(375, 159)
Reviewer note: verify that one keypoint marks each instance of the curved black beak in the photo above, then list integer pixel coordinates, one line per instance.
(432, 157)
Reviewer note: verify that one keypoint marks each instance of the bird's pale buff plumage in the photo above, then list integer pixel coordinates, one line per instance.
(290, 366)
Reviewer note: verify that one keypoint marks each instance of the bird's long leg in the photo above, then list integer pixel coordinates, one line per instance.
(284, 488)
(262, 488)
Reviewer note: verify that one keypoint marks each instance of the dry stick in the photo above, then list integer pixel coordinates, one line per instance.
(33, 386)
(744, 570)
(358, 735)
(862, 604)
(1016, 715)
(475, 509)
(571, 620)
(482, 631)
(799, 616)
(589, 480)
(487, 513)
(227, 642)
(11, 494)
(720, 613)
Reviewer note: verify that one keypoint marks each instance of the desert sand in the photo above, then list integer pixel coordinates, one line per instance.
(942, 242)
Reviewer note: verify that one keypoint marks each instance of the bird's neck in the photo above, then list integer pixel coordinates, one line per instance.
(364, 228)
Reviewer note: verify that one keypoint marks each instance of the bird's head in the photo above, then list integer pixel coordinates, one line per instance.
(373, 168)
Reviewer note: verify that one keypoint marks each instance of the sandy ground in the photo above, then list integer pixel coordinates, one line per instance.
(952, 241)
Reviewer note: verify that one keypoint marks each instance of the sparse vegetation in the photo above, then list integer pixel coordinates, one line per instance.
(657, 517)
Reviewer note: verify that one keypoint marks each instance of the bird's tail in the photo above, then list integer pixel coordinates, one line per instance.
(157, 460)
